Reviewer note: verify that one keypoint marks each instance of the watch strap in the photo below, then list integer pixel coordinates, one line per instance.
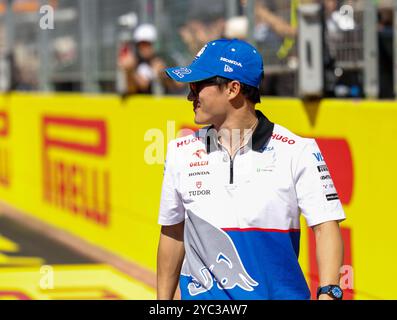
(330, 290)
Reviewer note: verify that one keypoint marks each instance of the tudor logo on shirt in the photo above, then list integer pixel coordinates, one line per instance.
(199, 193)
(196, 193)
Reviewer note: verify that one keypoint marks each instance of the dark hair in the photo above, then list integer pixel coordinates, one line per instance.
(250, 93)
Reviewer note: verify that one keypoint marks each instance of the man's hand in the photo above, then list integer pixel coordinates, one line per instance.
(127, 61)
(158, 66)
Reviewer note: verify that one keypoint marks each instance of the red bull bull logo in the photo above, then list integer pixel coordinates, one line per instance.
(69, 182)
(224, 266)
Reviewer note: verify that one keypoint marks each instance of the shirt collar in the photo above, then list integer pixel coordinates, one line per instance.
(260, 137)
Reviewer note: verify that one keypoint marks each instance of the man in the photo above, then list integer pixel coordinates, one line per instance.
(233, 191)
(141, 67)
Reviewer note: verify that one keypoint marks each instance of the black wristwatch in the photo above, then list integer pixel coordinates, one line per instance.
(333, 291)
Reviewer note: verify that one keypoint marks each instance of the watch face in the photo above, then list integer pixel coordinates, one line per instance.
(337, 292)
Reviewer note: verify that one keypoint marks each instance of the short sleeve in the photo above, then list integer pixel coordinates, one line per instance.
(172, 210)
(317, 197)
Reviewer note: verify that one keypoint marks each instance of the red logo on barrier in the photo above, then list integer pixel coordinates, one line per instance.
(4, 124)
(15, 295)
(66, 293)
(82, 293)
(4, 152)
(76, 187)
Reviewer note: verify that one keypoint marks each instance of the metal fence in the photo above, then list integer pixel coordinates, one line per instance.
(80, 53)
(109, 13)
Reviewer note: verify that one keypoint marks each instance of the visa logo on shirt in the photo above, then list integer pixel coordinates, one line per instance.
(318, 156)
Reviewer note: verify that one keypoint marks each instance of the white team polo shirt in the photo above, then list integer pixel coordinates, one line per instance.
(242, 214)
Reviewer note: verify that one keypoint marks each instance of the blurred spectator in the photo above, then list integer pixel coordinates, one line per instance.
(65, 50)
(385, 45)
(141, 66)
(195, 33)
(205, 21)
(237, 27)
(271, 29)
(25, 67)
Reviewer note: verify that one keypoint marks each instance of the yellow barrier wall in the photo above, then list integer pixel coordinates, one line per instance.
(77, 162)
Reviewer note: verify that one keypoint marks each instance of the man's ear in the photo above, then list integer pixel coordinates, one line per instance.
(233, 89)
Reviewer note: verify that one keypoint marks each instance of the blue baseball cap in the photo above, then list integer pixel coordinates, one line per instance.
(232, 59)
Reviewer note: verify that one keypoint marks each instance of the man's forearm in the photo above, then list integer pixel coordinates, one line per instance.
(278, 24)
(329, 251)
(170, 256)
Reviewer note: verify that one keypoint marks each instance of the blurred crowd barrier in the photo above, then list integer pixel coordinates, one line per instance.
(92, 165)
(81, 52)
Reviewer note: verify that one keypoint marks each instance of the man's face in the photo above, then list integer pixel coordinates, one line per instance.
(209, 102)
(146, 49)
